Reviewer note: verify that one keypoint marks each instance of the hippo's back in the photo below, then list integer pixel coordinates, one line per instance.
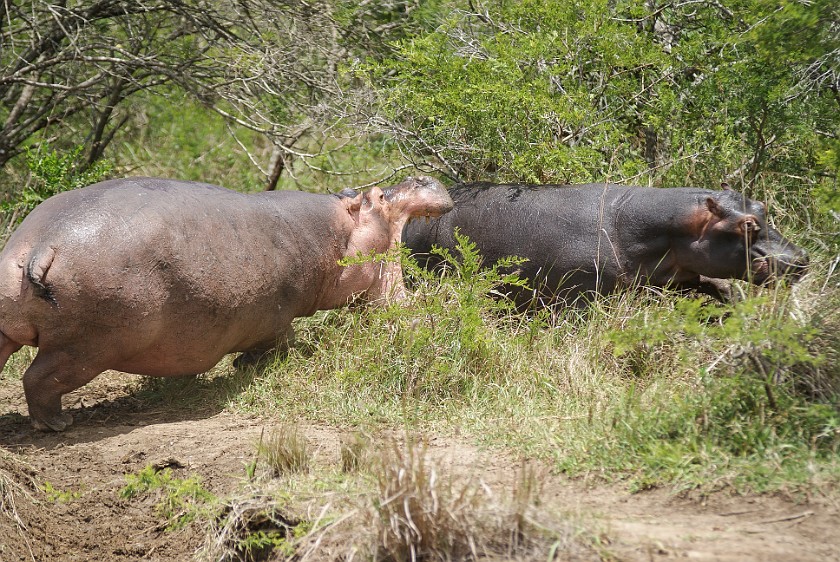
(559, 229)
(161, 261)
(120, 210)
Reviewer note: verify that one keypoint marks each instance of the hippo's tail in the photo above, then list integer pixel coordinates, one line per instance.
(36, 273)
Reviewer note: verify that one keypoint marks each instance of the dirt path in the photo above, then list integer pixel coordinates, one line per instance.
(118, 433)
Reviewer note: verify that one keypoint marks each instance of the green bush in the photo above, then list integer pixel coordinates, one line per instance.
(52, 172)
(627, 91)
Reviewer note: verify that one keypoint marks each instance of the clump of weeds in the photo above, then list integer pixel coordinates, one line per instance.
(179, 500)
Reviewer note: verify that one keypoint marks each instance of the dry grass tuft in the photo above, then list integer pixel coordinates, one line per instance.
(16, 485)
(421, 515)
(413, 512)
(354, 452)
(285, 451)
(16, 481)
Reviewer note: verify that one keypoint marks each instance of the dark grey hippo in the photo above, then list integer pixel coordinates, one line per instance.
(163, 277)
(595, 238)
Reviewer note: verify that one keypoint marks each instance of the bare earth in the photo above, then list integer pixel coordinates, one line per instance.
(117, 432)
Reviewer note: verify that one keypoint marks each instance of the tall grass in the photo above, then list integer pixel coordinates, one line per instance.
(16, 484)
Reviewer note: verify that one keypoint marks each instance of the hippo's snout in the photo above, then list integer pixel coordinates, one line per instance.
(770, 264)
(423, 196)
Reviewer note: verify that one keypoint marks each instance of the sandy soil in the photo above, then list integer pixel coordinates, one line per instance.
(118, 432)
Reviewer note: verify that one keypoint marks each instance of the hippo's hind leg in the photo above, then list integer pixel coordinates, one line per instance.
(50, 376)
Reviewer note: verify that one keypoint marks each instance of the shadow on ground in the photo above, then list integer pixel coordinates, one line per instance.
(116, 403)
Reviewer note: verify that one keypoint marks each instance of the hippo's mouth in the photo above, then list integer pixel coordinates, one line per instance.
(433, 210)
(767, 269)
(426, 216)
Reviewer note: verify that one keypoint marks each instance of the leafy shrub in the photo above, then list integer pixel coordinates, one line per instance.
(51, 172)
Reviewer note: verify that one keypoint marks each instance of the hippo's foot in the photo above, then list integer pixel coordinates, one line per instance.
(56, 423)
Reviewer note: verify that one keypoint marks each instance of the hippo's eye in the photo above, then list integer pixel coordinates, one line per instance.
(749, 226)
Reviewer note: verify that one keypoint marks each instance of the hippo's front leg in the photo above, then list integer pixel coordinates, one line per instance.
(50, 376)
(257, 355)
(720, 289)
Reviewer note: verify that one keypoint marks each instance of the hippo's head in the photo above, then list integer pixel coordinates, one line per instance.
(735, 241)
(379, 216)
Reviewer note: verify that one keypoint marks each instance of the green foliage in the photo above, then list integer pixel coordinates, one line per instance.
(181, 499)
(57, 172)
(750, 425)
(467, 293)
(53, 172)
(255, 545)
(497, 100)
(725, 432)
(627, 91)
(474, 283)
(373, 256)
(173, 136)
(657, 389)
(742, 324)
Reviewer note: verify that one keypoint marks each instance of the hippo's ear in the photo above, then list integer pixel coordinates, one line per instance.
(725, 186)
(353, 205)
(714, 208)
